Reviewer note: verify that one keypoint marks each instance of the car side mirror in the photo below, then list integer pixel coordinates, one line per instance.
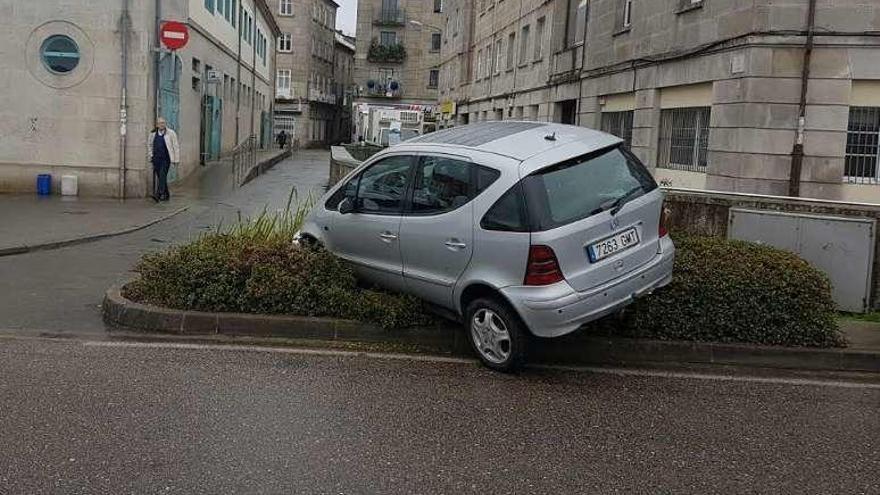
(346, 206)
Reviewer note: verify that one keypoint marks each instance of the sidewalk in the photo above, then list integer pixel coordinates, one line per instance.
(29, 222)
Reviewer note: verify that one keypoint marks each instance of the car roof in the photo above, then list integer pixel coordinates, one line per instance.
(515, 139)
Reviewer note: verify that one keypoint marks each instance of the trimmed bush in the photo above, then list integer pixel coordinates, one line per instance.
(220, 273)
(735, 291)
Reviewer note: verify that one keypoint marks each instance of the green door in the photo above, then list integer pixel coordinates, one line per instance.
(216, 128)
(169, 97)
(212, 127)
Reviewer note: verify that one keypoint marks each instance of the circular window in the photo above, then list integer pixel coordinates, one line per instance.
(60, 54)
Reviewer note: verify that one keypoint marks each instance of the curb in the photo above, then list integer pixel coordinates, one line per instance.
(574, 349)
(261, 168)
(9, 251)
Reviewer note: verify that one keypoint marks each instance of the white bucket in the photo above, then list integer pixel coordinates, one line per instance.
(69, 185)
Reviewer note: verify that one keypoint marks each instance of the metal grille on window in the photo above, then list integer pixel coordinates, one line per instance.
(620, 124)
(684, 138)
(863, 146)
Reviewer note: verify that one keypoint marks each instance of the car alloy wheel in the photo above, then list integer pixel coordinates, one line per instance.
(491, 336)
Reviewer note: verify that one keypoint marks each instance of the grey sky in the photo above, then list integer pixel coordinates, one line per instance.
(346, 16)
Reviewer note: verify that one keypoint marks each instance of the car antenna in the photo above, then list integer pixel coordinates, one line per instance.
(550, 137)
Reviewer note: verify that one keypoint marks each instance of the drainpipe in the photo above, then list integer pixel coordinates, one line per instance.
(157, 54)
(253, 75)
(238, 78)
(124, 25)
(580, 81)
(797, 152)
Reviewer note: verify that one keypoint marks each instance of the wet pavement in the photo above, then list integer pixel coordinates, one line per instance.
(61, 290)
(104, 417)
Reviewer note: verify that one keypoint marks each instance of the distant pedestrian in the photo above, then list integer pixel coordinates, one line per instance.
(162, 150)
(282, 139)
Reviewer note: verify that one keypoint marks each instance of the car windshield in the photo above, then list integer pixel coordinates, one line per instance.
(584, 186)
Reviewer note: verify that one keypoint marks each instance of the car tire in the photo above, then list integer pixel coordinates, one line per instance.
(496, 333)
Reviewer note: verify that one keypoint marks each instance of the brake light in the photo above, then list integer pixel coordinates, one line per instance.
(543, 267)
(663, 230)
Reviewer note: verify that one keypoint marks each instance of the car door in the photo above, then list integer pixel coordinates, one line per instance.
(368, 236)
(436, 235)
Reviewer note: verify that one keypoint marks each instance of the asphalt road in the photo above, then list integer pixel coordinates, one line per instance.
(108, 417)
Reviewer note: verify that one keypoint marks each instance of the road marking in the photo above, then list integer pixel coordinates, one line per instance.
(637, 372)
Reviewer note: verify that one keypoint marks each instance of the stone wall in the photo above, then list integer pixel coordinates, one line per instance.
(706, 213)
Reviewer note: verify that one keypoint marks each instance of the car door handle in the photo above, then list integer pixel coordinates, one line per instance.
(452, 243)
(387, 236)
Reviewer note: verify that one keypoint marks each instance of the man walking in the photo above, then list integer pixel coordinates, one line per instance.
(162, 150)
(282, 139)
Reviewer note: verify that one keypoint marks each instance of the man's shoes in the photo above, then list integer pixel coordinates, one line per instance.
(165, 198)
(155, 198)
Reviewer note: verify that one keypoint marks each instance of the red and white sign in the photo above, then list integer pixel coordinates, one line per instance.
(174, 35)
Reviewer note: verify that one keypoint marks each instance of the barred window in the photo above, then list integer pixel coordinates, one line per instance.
(863, 146)
(620, 124)
(684, 138)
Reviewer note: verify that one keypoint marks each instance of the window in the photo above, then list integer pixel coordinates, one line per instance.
(382, 187)
(539, 38)
(285, 42)
(283, 84)
(234, 13)
(508, 214)
(435, 42)
(620, 124)
(285, 7)
(433, 77)
(478, 73)
(583, 187)
(684, 138)
(577, 21)
(499, 60)
(388, 38)
(511, 50)
(524, 45)
(60, 54)
(220, 9)
(625, 14)
(457, 22)
(863, 146)
(209, 4)
(441, 185)
(438, 6)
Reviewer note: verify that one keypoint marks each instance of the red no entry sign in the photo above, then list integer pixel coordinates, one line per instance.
(174, 35)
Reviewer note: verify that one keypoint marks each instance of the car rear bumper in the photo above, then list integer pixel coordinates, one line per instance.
(555, 310)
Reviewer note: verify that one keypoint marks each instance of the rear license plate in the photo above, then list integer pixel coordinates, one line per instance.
(613, 245)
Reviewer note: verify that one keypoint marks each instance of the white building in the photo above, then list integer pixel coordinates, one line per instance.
(77, 103)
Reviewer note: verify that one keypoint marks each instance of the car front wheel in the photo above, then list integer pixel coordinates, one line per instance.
(496, 334)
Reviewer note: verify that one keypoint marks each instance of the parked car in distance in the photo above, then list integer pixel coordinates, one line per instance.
(520, 228)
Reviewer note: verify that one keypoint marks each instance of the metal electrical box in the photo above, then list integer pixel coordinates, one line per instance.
(842, 247)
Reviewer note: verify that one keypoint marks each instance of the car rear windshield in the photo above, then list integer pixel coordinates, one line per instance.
(584, 186)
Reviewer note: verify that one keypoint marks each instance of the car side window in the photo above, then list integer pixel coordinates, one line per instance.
(347, 191)
(382, 187)
(508, 214)
(440, 184)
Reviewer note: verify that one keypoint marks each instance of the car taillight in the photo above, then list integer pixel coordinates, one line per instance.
(664, 218)
(543, 267)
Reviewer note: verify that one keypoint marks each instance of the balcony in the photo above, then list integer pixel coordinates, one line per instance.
(389, 17)
(395, 53)
(321, 97)
(375, 89)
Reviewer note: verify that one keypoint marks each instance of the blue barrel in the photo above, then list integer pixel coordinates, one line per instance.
(44, 184)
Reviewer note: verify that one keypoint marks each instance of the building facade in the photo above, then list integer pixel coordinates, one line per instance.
(343, 80)
(397, 56)
(708, 93)
(306, 99)
(87, 82)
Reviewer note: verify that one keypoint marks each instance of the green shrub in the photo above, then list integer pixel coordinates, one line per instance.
(734, 291)
(254, 267)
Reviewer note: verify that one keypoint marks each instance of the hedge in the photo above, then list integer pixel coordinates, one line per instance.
(735, 291)
(226, 272)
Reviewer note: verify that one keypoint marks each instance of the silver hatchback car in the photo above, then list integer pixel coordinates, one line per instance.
(519, 229)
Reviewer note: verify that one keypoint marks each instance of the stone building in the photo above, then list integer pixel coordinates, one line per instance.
(706, 92)
(306, 100)
(343, 80)
(76, 103)
(398, 51)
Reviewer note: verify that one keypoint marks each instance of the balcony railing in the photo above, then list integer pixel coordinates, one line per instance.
(391, 89)
(389, 17)
(395, 53)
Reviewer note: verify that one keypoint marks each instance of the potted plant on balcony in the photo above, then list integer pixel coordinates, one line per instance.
(385, 53)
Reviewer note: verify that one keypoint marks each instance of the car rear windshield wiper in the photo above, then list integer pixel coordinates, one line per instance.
(626, 198)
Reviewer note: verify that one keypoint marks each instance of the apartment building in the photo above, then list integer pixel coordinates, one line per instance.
(305, 96)
(708, 93)
(343, 80)
(85, 83)
(397, 56)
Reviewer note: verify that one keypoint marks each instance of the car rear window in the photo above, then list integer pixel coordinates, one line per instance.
(584, 186)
